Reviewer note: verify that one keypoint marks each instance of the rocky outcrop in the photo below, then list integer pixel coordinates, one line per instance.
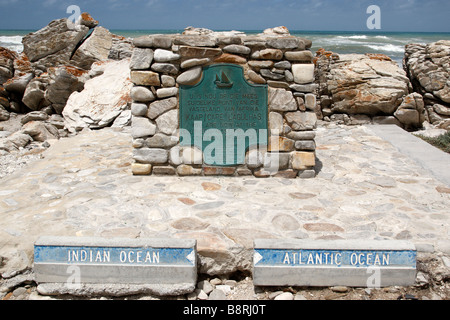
(7, 58)
(57, 61)
(121, 48)
(103, 99)
(358, 88)
(95, 48)
(53, 45)
(34, 95)
(64, 80)
(428, 67)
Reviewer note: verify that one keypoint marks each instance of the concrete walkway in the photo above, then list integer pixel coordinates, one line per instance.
(429, 157)
(365, 189)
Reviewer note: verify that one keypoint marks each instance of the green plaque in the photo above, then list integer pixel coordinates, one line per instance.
(224, 115)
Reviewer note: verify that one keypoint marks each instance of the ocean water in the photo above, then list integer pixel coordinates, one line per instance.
(391, 44)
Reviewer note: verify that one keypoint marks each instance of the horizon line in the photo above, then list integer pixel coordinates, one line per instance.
(255, 30)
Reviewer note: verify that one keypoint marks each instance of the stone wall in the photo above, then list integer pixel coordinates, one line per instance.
(162, 63)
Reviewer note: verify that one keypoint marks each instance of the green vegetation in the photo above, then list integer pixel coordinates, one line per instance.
(442, 142)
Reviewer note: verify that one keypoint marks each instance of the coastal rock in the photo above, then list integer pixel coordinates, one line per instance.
(123, 119)
(34, 95)
(411, 111)
(34, 116)
(15, 141)
(102, 100)
(4, 115)
(93, 49)
(54, 44)
(40, 131)
(18, 83)
(282, 30)
(121, 48)
(362, 84)
(63, 81)
(87, 20)
(22, 65)
(428, 68)
(7, 58)
(22, 74)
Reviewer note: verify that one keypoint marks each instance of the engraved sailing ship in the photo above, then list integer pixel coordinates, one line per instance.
(224, 82)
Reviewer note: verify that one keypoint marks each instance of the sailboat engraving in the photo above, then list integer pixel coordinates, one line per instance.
(224, 82)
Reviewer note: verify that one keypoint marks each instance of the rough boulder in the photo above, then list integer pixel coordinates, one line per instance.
(428, 67)
(103, 99)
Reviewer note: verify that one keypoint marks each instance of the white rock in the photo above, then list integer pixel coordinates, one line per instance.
(142, 94)
(168, 122)
(225, 288)
(285, 296)
(166, 92)
(201, 295)
(303, 73)
(142, 127)
(95, 48)
(102, 100)
(205, 286)
(165, 56)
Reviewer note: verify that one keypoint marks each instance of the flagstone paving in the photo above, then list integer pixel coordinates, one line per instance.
(365, 189)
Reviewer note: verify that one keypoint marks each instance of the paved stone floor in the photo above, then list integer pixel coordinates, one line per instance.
(365, 189)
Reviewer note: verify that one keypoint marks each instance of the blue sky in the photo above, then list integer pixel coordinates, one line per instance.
(322, 15)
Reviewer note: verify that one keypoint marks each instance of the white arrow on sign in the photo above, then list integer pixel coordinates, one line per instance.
(257, 258)
(191, 257)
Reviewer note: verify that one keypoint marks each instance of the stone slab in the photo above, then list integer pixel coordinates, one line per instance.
(323, 263)
(115, 261)
(427, 156)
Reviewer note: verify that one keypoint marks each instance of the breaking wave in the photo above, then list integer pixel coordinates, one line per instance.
(12, 43)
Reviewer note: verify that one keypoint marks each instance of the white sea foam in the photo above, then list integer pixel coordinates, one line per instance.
(12, 43)
(387, 48)
(363, 37)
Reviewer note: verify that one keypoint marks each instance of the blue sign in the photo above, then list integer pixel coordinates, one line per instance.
(334, 258)
(114, 256)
